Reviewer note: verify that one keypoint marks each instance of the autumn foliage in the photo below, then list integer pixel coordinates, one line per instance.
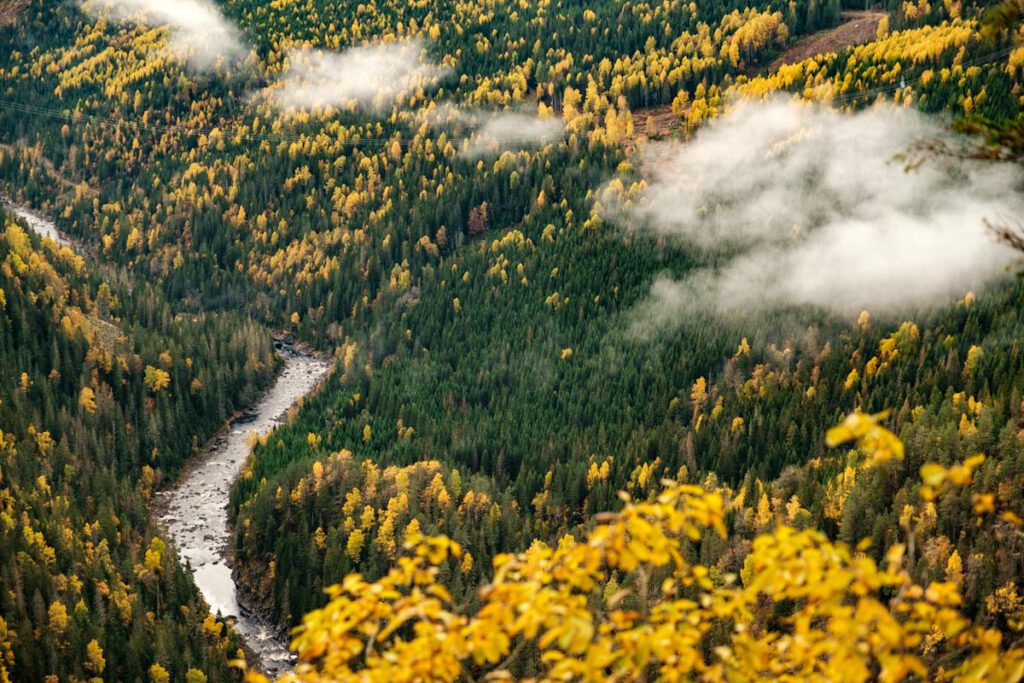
(624, 602)
(476, 306)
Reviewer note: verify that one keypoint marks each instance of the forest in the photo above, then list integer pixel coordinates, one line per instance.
(105, 392)
(473, 241)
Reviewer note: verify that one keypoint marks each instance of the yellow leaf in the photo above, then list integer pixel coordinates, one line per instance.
(933, 475)
(1012, 519)
(974, 461)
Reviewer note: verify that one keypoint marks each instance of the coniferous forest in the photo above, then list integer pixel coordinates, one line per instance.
(669, 340)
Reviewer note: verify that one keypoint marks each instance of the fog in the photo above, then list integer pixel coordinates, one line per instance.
(369, 76)
(511, 131)
(803, 205)
(198, 33)
(488, 133)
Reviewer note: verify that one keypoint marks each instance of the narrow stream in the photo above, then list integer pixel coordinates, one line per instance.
(194, 510)
(41, 225)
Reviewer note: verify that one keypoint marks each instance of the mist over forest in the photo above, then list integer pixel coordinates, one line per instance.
(460, 340)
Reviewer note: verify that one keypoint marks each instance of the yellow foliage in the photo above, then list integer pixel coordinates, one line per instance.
(58, 618)
(974, 355)
(877, 442)
(156, 380)
(935, 477)
(158, 674)
(699, 393)
(955, 569)
(94, 657)
(354, 546)
(87, 399)
(847, 618)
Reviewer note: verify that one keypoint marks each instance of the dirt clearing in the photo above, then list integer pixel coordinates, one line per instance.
(858, 27)
(9, 11)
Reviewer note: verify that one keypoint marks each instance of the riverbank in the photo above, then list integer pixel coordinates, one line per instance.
(193, 511)
(39, 224)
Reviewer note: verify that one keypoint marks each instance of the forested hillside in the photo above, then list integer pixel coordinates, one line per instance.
(526, 334)
(102, 393)
(460, 200)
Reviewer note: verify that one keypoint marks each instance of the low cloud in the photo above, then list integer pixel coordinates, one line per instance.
(197, 31)
(489, 133)
(505, 131)
(803, 205)
(369, 76)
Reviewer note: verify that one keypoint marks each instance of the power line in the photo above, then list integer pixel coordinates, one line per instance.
(50, 112)
(881, 90)
(116, 121)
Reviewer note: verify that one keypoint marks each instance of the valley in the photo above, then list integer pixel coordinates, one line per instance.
(462, 340)
(193, 510)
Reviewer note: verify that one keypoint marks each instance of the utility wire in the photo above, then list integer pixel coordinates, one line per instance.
(50, 112)
(881, 90)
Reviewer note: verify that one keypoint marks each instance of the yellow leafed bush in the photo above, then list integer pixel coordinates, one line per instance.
(625, 603)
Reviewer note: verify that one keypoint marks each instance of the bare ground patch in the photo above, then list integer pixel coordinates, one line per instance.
(859, 27)
(656, 122)
(9, 11)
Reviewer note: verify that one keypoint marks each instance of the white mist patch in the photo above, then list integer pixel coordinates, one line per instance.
(368, 76)
(196, 30)
(489, 133)
(810, 206)
(511, 131)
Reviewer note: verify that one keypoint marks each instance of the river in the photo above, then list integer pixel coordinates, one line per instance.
(193, 512)
(39, 224)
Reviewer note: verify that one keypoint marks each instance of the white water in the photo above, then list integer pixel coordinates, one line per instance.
(194, 510)
(39, 224)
